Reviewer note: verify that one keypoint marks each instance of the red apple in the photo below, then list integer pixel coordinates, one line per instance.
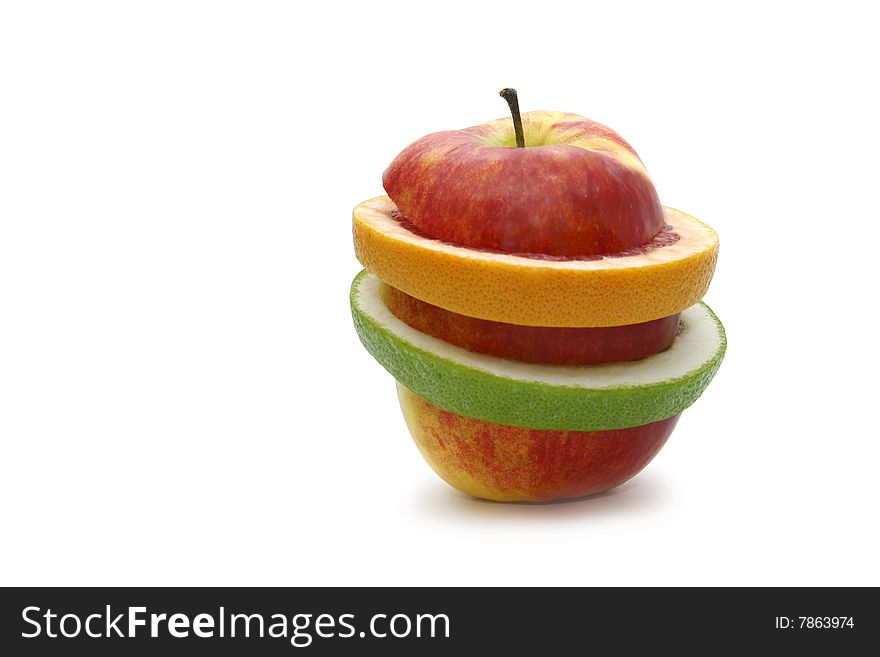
(548, 185)
(504, 463)
(533, 344)
(576, 189)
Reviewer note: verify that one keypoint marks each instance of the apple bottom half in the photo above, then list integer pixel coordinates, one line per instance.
(508, 464)
(533, 344)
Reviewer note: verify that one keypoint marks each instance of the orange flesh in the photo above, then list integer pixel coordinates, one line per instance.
(608, 292)
(664, 237)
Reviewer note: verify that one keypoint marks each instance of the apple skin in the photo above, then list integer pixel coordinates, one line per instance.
(508, 464)
(576, 190)
(533, 344)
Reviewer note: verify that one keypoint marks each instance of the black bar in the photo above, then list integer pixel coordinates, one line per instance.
(507, 621)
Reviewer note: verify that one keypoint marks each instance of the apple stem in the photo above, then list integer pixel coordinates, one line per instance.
(509, 95)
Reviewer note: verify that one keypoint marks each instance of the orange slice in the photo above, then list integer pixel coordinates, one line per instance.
(608, 291)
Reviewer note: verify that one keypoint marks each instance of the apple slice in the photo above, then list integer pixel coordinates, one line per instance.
(505, 463)
(575, 188)
(534, 344)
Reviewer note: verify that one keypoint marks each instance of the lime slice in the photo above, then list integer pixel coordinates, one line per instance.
(575, 398)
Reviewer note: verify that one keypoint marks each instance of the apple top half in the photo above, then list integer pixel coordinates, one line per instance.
(576, 190)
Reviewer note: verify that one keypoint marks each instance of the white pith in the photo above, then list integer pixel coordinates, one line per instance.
(698, 340)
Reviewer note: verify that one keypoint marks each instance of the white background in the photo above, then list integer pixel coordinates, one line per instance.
(183, 399)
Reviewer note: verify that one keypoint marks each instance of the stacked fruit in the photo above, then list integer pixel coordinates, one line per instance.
(538, 307)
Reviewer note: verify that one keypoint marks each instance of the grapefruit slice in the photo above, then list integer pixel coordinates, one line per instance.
(605, 291)
(537, 396)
